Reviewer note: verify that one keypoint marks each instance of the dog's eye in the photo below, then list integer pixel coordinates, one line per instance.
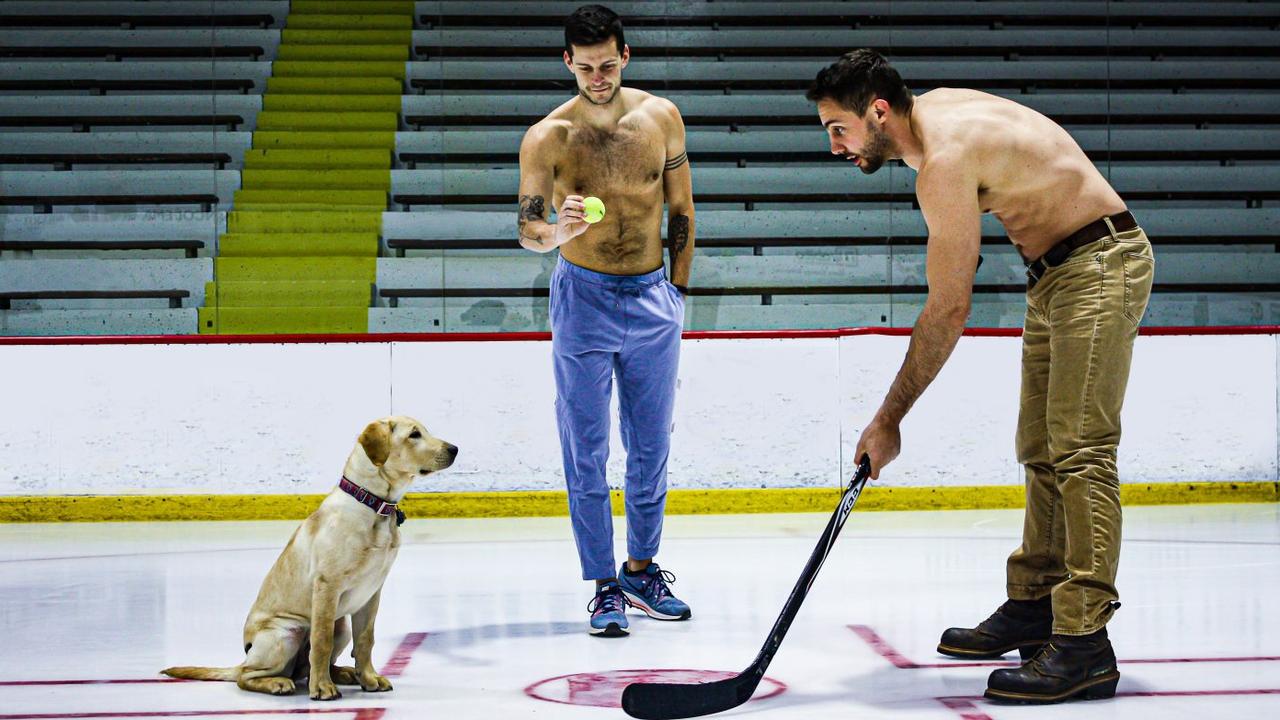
(415, 435)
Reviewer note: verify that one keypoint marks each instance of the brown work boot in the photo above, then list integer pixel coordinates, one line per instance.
(1022, 625)
(1070, 667)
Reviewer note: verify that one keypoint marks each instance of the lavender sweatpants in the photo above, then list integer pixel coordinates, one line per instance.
(602, 327)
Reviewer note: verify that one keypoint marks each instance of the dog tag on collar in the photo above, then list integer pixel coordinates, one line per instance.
(399, 517)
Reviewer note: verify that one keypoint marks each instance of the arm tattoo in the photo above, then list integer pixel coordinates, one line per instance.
(677, 235)
(677, 161)
(532, 207)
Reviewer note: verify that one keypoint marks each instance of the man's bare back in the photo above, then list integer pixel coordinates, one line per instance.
(622, 165)
(1031, 174)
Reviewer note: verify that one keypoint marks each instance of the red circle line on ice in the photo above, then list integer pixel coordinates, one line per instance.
(604, 689)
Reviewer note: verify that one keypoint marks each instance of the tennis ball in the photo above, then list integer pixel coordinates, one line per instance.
(593, 209)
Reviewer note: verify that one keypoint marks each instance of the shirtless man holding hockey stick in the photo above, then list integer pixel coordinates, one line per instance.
(1089, 270)
(1089, 275)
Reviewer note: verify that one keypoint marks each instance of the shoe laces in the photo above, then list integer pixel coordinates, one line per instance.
(658, 584)
(608, 599)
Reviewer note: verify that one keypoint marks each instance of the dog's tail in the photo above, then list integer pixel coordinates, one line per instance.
(231, 674)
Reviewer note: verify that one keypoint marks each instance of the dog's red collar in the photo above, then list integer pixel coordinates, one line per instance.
(368, 499)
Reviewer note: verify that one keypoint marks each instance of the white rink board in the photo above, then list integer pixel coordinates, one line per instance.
(495, 401)
(757, 413)
(281, 418)
(139, 419)
(960, 432)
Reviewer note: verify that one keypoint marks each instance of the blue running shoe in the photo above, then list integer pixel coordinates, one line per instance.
(648, 591)
(608, 612)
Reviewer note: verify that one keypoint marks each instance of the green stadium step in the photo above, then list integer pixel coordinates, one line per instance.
(372, 53)
(336, 69)
(239, 269)
(260, 179)
(347, 140)
(385, 121)
(306, 21)
(284, 320)
(332, 103)
(273, 199)
(298, 245)
(294, 206)
(302, 221)
(300, 254)
(291, 36)
(302, 293)
(335, 85)
(284, 159)
(328, 7)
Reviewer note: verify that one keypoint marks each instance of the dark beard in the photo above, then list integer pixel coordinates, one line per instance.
(587, 96)
(877, 151)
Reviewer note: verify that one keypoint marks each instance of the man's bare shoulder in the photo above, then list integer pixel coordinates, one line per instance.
(945, 165)
(548, 132)
(566, 111)
(970, 116)
(960, 97)
(660, 109)
(962, 126)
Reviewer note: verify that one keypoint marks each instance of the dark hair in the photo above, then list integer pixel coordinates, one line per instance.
(592, 25)
(857, 79)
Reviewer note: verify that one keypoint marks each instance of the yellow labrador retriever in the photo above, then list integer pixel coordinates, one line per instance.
(334, 566)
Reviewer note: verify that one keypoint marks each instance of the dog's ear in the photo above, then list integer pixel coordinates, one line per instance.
(376, 441)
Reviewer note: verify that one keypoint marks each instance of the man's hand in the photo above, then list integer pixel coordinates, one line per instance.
(881, 441)
(570, 220)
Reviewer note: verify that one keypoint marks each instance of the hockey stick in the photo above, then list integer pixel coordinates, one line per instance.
(666, 701)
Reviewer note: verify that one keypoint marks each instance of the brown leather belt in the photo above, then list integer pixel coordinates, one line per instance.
(1123, 221)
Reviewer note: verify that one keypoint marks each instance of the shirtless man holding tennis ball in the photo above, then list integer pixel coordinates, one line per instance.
(613, 311)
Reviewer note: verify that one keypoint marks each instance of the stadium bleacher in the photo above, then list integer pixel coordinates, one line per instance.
(310, 166)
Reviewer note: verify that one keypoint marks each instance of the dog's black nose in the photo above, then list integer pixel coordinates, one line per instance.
(452, 450)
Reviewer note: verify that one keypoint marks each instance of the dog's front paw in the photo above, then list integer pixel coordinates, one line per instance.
(324, 690)
(374, 683)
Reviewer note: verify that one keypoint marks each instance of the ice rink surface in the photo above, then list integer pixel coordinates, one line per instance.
(486, 618)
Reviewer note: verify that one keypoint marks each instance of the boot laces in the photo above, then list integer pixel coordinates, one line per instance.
(1037, 661)
(993, 617)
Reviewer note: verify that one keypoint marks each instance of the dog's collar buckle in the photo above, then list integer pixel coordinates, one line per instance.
(371, 501)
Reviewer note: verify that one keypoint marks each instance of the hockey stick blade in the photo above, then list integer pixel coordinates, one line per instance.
(669, 701)
(666, 701)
